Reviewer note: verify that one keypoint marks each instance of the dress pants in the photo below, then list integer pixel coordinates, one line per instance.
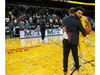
(43, 34)
(66, 49)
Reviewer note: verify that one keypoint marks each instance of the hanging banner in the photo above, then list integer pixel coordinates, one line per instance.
(37, 33)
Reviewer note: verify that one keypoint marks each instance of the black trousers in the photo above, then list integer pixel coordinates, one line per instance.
(42, 34)
(66, 49)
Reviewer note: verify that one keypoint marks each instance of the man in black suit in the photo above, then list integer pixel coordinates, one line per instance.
(42, 29)
(72, 26)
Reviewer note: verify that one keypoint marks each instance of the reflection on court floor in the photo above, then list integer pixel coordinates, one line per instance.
(32, 57)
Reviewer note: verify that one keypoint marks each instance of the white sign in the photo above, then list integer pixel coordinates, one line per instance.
(37, 33)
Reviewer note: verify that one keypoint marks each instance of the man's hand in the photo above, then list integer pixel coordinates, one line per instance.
(64, 29)
(89, 32)
(87, 22)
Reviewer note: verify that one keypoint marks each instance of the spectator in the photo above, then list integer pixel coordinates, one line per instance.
(91, 22)
(51, 20)
(20, 24)
(7, 21)
(59, 27)
(56, 20)
(54, 15)
(15, 13)
(60, 21)
(50, 15)
(46, 26)
(54, 26)
(41, 18)
(27, 25)
(11, 25)
(44, 19)
(34, 19)
(15, 22)
(38, 21)
(22, 19)
(51, 26)
(30, 19)
(26, 17)
(38, 27)
(10, 13)
(12, 17)
(18, 20)
(37, 16)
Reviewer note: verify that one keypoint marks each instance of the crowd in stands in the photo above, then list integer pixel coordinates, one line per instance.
(20, 16)
(24, 17)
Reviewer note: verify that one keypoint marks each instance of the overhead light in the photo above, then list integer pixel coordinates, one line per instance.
(82, 3)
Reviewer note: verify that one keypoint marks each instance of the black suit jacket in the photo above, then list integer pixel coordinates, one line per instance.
(74, 26)
(42, 27)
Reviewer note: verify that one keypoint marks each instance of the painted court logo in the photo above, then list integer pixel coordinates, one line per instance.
(20, 49)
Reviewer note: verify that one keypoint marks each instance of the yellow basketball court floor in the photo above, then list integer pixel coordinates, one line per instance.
(32, 57)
